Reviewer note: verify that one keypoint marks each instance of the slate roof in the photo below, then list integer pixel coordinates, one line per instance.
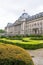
(25, 17)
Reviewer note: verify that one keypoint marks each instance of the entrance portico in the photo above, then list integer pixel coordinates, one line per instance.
(35, 30)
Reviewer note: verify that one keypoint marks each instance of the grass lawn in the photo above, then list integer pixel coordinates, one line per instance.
(25, 42)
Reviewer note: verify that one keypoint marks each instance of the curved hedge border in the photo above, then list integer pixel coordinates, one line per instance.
(25, 46)
(36, 38)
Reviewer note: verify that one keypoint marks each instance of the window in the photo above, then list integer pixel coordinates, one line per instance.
(35, 24)
(40, 23)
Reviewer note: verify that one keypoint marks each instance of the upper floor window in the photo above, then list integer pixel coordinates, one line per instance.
(40, 23)
(35, 24)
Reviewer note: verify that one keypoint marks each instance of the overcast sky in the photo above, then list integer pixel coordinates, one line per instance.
(10, 10)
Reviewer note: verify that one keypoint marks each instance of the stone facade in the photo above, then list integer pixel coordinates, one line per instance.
(35, 26)
(26, 24)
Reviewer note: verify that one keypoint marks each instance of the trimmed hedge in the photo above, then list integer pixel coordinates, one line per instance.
(33, 35)
(36, 38)
(25, 46)
(13, 55)
(12, 37)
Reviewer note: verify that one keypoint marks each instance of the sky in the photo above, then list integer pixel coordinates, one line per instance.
(10, 10)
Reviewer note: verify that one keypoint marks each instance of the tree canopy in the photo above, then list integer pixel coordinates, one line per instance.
(2, 31)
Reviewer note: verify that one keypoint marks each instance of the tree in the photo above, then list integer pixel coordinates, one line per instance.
(2, 31)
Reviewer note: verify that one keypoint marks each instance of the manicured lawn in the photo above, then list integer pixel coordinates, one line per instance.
(25, 42)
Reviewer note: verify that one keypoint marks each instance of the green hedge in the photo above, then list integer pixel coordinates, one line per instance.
(30, 46)
(25, 46)
(20, 37)
(33, 35)
(36, 38)
(12, 37)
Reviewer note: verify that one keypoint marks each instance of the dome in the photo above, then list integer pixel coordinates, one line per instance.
(9, 24)
(24, 16)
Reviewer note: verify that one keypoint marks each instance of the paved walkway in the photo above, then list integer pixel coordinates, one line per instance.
(37, 56)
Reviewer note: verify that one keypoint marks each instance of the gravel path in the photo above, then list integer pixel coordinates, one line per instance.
(37, 56)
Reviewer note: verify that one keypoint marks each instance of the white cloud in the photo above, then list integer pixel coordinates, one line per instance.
(10, 10)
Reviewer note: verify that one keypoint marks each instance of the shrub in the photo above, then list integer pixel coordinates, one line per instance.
(3, 36)
(13, 55)
(36, 38)
(17, 37)
(33, 35)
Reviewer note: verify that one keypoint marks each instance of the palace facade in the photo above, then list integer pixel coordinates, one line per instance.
(26, 24)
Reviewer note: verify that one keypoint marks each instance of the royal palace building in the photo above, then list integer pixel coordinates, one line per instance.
(26, 24)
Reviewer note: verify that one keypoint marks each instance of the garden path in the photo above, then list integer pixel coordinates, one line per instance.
(37, 56)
